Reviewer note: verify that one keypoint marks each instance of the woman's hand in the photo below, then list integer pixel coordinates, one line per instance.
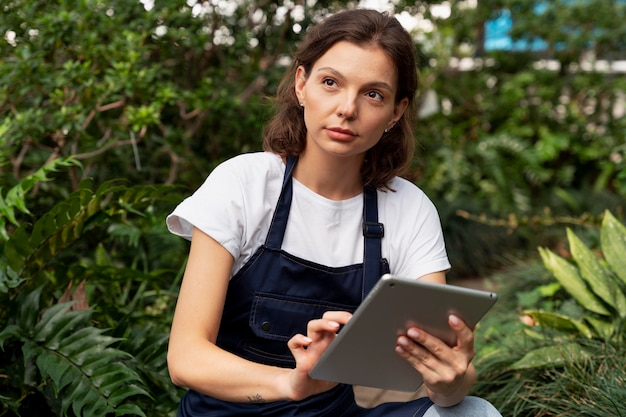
(447, 371)
(307, 350)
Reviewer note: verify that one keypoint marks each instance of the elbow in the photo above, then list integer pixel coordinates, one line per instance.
(174, 368)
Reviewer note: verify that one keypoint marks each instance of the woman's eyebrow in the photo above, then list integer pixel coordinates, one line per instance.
(375, 84)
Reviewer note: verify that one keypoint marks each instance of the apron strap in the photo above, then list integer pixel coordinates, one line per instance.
(373, 232)
(278, 225)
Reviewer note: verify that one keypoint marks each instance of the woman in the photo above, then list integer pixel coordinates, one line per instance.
(279, 253)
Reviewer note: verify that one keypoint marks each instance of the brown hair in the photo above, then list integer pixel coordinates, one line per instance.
(286, 132)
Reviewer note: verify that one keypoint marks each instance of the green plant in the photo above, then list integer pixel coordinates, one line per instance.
(576, 340)
(591, 387)
(104, 351)
(597, 285)
(85, 373)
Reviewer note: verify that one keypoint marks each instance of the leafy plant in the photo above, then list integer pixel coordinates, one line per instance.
(597, 285)
(592, 386)
(571, 360)
(15, 198)
(88, 376)
(73, 358)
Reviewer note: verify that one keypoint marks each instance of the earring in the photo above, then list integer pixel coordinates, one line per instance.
(301, 104)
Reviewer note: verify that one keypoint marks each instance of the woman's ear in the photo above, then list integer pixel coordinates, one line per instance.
(399, 109)
(300, 83)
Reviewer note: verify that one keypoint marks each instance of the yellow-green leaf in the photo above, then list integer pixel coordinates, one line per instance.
(569, 277)
(597, 276)
(613, 239)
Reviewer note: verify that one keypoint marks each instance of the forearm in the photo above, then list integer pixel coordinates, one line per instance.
(456, 396)
(212, 371)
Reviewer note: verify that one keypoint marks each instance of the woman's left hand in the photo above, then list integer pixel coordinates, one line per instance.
(447, 371)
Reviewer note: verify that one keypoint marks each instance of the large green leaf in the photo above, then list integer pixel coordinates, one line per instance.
(613, 241)
(598, 278)
(555, 355)
(604, 329)
(569, 277)
(560, 322)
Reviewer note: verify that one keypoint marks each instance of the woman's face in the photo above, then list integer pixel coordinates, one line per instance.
(349, 100)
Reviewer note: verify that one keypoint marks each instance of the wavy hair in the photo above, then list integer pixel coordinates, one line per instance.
(285, 134)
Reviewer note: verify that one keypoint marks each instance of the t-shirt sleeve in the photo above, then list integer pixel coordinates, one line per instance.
(420, 248)
(216, 209)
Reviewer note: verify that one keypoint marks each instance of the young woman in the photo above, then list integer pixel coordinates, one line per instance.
(286, 243)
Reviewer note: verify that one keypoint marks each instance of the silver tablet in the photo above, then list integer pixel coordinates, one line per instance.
(363, 353)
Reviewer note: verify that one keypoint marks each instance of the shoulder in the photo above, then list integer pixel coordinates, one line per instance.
(404, 192)
(255, 165)
(248, 181)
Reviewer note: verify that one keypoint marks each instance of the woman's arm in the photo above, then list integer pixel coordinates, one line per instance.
(194, 361)
(448, 372)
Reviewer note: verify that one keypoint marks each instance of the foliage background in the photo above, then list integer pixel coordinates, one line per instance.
(134, 103)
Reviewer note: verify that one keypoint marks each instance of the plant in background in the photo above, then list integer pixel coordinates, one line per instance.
(576, 338)
(597, 286)
(85, 319)
(514, 135)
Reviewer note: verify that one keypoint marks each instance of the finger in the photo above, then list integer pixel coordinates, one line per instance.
(341, 317)
(299, 342)
(299, 347)
(421, 359)
(465, 335)
(428, 343)
(319, 327)
(331, 321)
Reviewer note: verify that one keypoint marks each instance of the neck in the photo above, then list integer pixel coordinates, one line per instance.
(333, 178)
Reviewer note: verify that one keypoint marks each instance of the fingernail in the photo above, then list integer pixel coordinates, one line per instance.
(454, 320)
(403, 341)
(333, 324)
(413, 333)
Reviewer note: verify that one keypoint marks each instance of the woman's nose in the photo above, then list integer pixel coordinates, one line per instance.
(348, 107)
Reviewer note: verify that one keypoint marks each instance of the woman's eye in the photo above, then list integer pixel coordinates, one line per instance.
(329, 82)
(375, 95)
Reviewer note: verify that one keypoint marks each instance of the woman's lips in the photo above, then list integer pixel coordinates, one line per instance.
(337, 133)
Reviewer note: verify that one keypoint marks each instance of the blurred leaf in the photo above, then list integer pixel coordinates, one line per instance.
(560, 322)
(552, 356)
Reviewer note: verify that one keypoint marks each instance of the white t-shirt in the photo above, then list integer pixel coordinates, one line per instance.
(236, 203)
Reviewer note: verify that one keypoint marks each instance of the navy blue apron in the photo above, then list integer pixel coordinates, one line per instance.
(274, 285)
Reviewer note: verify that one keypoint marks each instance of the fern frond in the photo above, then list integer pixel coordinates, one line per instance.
(69, 220)
(88, 375)
(14, 200)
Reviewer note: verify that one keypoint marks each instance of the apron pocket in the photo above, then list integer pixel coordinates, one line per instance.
(275, 319)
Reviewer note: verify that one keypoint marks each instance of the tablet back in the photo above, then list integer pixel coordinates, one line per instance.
(363, 353)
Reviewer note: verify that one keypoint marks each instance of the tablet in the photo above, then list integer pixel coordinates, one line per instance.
(363, 353)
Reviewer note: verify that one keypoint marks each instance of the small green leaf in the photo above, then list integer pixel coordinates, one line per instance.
(56, 367)
(10, 331)
(129, 410)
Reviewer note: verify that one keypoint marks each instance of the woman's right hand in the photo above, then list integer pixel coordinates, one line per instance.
(307, 350)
